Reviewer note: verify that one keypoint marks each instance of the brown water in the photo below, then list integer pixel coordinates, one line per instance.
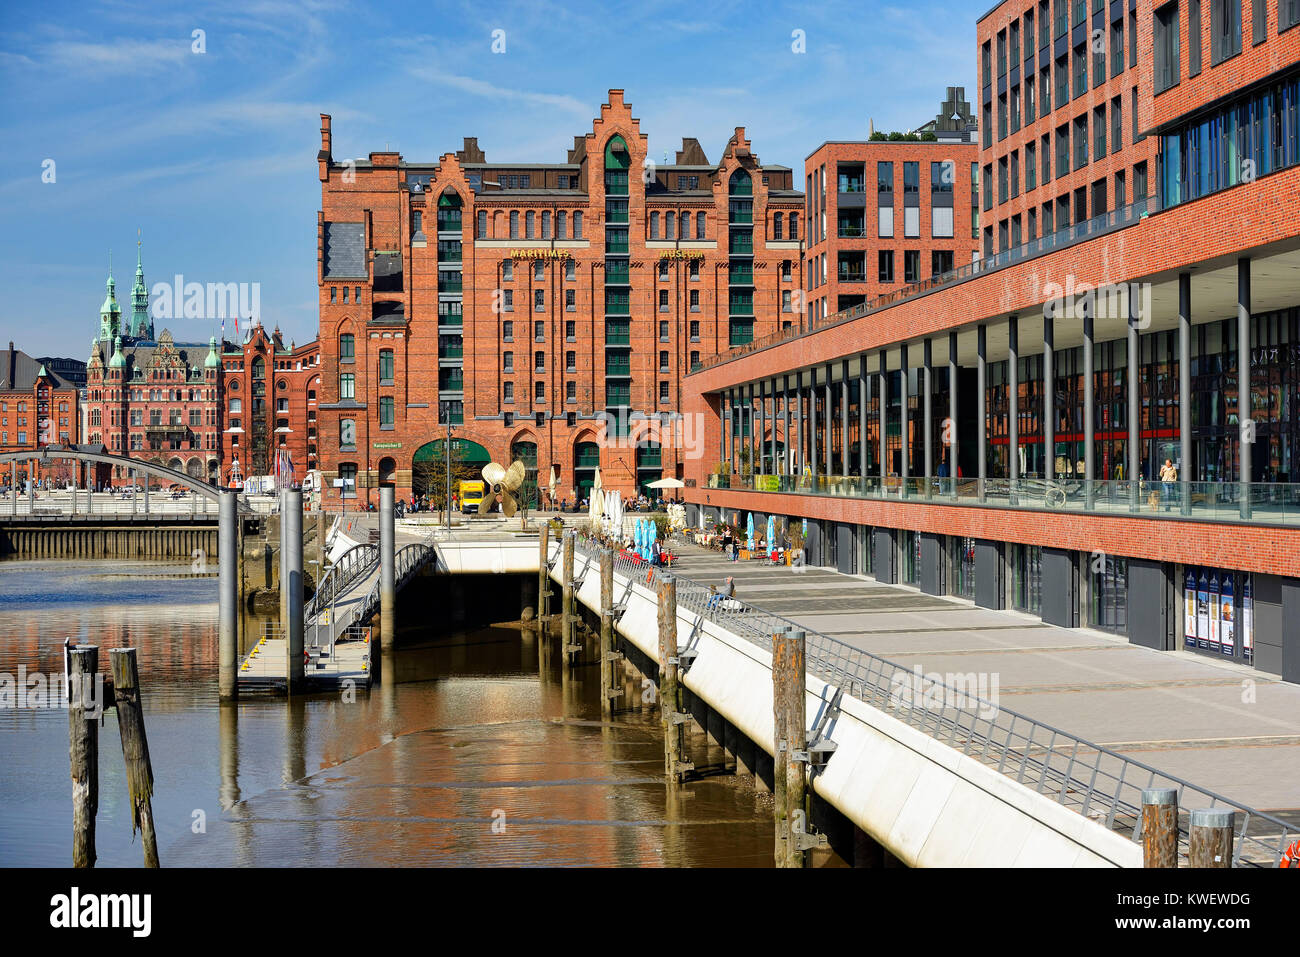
(473, 750)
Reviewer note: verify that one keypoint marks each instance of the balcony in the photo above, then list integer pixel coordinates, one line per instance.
(451, 352)
(449, 223)
(852, 230)
(617, 275)
(741, 277)
(616, 246)
(617, 337)
(741, 244)
(617, 367)
(617, 305)
(851, 275)
(450, 285)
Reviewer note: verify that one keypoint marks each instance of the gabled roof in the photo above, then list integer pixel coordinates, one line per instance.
(19, 372)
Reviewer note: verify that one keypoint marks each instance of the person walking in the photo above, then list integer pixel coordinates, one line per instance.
(1168, 476)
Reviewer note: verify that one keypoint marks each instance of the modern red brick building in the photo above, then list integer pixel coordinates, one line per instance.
(268, 402)
(1134, 303)
(884, 214)
(527, 306)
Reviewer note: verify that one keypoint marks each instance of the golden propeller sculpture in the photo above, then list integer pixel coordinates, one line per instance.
(502, 483)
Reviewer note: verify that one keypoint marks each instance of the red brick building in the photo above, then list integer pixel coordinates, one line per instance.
(884, 213)
(1134, 303)
(268, 402)
(37, 408)
(527, 305)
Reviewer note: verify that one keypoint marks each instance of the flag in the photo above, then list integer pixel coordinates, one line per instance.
(236, 326)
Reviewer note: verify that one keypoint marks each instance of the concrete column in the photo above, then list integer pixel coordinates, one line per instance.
(828, 418)
(845, 464)
(291, 584)
(728, 432)
(1134, 404)
(864, 390)
(1013, 402)
(387, 571)
(1049, 395)
(776, 462)
(904, 418)
(785, 425)
(882, 378)
(1245, 424)
(952, 430)
(796, 462)
(812, 420)
(228, 596)
(927, 386)
(982, 407)
(1089, 415)
(1185, 393)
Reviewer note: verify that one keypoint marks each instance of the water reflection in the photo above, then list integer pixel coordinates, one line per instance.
(475, 748)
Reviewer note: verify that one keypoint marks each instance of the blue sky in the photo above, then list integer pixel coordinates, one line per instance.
(212, 154)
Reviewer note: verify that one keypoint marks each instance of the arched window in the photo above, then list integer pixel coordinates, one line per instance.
(776, 226)
(577, 224)
(514, 224)
(686, 225)
(794, 225)
(530, 223)
(670, 225)
(699, 226)
(654, 225)
(559, 224)
(546, 224)
(741, 184)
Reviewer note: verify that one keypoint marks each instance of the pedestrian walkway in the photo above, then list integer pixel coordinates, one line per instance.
(1221, 725)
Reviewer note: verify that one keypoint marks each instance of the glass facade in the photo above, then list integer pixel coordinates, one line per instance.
(1249, 137)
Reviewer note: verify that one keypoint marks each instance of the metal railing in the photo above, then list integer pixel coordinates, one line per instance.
(1263, 503)
(1107, 222)
(72, 503)
(355, 563)
(1087, 778)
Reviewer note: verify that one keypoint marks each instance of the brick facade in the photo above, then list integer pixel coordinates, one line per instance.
(388, 208)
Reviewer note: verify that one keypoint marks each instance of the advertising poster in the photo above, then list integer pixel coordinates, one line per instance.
(1214, 611)
(1189, 608)
(1227, 616)
(1203, 612)
(1247, 623)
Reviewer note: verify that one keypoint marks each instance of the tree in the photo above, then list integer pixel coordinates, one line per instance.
(429, 477)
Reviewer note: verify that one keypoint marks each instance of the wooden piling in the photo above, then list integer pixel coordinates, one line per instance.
(669, 680)
(779, 752)
(566, 608)
(1160, 827)
(795, 687)
(607, 653)
(1210, 841)
(135, 748)
(83, 735)
(543, 578)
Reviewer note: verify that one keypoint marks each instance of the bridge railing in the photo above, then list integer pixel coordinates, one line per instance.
(1087, 778)
(69, 504)
(355, 563)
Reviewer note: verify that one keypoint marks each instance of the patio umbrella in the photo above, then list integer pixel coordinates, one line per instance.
(749, 532)
(667, 483)
(771, 532)
(594, 510)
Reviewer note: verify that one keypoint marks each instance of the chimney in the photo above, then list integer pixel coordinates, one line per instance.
(325, 156)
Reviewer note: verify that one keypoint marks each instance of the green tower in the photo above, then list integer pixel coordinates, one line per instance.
(110, 313)
(141, 323)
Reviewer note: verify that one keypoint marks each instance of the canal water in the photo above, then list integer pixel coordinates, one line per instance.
(476, 749)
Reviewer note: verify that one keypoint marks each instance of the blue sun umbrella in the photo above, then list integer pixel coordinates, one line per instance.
(749, 532)
(771, 533)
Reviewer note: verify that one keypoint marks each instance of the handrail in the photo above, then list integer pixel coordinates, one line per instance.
(1087, 778)
(1100, 225)
(354, 563)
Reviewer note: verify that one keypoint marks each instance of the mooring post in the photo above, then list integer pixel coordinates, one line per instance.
(228, 601)
(1210, 841)
(543, 575)
(566, 624)
(607, 653)
(135, 748)
(291, 586)
(1160, 827)
(387, 571)
(671, 715)
(796, 766)
(83, 736)
(779, 747)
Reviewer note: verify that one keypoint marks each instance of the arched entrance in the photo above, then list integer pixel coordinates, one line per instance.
(429, 466)
(586, 459)
(525, 451)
